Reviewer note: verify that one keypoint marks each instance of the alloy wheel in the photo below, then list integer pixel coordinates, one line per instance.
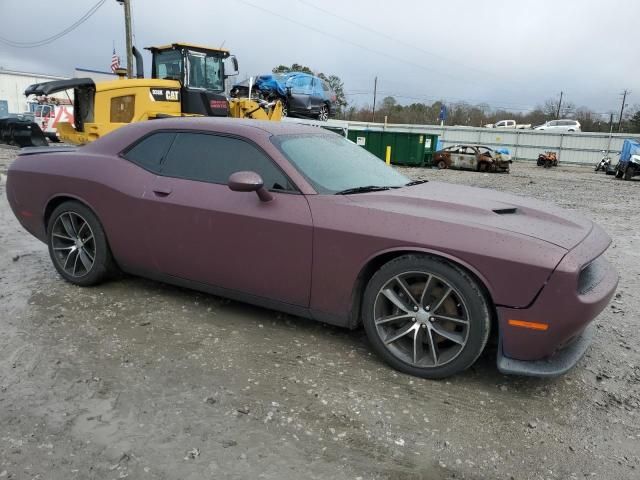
(324, 113)
(421, 319)
(73, 244)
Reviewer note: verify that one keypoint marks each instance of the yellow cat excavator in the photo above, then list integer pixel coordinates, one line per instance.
(186, 80)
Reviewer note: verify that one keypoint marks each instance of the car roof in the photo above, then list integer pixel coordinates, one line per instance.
(124, 136)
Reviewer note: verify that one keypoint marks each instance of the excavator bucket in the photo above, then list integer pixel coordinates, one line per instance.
(21, 132)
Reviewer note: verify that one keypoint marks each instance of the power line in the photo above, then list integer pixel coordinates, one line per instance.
(364, 47)
(52, 38)
(394, 39)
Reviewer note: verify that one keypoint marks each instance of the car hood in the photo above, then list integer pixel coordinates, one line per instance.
(482, 207)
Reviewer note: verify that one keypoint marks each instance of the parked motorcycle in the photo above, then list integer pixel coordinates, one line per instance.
(605, 162)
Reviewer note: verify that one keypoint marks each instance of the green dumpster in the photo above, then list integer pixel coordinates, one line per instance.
(409, 149)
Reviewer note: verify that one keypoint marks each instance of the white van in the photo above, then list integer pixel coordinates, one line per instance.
(560, 126)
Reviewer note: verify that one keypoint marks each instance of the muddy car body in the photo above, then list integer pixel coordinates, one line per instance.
(471, 157)
(301, 220)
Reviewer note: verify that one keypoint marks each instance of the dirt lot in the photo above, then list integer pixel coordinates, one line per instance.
(142, 380)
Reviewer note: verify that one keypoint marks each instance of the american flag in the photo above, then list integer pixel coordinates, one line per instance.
(115, 61)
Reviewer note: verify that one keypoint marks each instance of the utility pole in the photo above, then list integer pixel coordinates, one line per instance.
(559, 105)
(127, 28)
(624, 99)
(375, 91)
(610, 133)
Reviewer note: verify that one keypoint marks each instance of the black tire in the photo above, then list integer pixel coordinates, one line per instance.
(619, 173)
(441, 165)
(628, 173)
(465, 287)
(103, 265)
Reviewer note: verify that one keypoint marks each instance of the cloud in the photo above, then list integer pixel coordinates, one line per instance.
(500, 52)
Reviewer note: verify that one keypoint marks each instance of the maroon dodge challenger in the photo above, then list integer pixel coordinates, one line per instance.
(301, 220)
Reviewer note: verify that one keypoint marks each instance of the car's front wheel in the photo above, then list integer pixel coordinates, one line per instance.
(78, 245)
(628, 172)
(425, 316)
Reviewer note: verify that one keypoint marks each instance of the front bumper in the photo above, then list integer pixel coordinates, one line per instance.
(577, 291)
(558, 364)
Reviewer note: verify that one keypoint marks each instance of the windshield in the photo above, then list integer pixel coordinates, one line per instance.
(205, 71)
(332, 163)
(168, 65)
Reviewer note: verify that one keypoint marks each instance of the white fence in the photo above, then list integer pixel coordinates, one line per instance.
(524, 144)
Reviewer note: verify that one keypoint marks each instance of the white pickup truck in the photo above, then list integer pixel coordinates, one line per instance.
(508, 124)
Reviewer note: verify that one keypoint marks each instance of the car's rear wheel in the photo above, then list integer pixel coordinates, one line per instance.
(425, 316)
(78, 245)
(323, 114)
(441, 165)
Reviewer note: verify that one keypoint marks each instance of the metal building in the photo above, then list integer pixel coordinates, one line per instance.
(12, 86)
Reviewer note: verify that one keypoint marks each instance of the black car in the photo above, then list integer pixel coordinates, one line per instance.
(302, 95)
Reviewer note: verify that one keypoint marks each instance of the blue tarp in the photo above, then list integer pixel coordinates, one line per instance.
(503, 151)
(629, 147)
(278, 83)
(270, 83)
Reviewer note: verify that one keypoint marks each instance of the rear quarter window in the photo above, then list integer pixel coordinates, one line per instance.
(149, 152)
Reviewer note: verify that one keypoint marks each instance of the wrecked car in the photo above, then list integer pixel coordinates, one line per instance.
(302, 95)
(547, 160)
(629, 164)
(472, 157)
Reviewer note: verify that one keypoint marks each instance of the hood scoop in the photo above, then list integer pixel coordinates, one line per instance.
(505, 211)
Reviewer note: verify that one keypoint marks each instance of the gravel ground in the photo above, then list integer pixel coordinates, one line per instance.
(142, 380)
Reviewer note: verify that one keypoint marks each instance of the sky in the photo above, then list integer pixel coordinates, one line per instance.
(505, 53)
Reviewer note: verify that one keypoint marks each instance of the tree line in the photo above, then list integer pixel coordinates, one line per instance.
(479, 115)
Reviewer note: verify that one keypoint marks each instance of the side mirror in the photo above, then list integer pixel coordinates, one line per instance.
(249, 182)
(234, 63)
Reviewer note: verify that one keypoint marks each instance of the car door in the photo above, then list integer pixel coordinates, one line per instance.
(200, 230)
(300, 97)
(317, 95)
(466, 158)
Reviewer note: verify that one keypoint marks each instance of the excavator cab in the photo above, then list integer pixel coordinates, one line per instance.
(202, 73)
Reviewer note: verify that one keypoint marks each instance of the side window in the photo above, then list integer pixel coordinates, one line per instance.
(212, 158)
(301, 85)
(122, 109)
(149, 152)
